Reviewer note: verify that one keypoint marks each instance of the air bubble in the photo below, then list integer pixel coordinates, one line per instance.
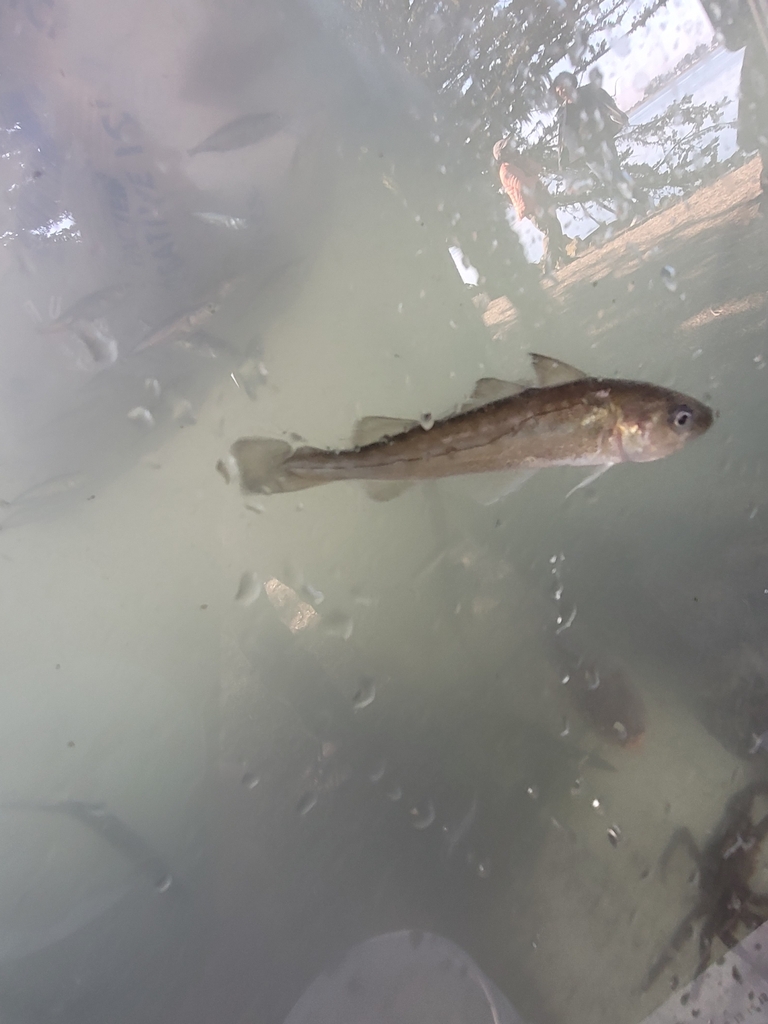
(152, 387)
(248, 589)
(378, 772)
(312, 593)
(394, 794)
(483, 869)
(668, 276)
(427, 420)
(250, 781)
(533, 792)
(306, 803)
(422, 818)
(365, 695)
(182, 412)
(164, 884)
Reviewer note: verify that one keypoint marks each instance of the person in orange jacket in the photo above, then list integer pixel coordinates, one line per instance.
(521, 181)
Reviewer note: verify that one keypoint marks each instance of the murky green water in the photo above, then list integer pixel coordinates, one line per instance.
(374, 735)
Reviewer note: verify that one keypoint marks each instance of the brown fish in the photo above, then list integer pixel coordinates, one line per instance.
(607, 701)
(243, 131)
(569, 419)
(188, 322)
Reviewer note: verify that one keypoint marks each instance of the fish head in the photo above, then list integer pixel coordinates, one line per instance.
(653, 422)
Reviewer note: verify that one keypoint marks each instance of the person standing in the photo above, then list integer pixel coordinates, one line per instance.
(521, 181)
(588, 122)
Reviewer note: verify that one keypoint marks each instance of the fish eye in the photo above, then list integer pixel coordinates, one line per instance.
(681, 417)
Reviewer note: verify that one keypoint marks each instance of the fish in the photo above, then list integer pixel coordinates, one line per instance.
(565, 419)
(111, 829)
(602, 694)
(89, 307)
(243, 131)
(188, 322)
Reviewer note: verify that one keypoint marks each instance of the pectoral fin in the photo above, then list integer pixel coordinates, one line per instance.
(490, 389)
(589, 479)
(550, 372)
(370, 429)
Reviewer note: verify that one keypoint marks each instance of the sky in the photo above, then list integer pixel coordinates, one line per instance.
(633, 61)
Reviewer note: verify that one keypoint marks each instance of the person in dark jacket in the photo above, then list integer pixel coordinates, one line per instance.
(588, 122)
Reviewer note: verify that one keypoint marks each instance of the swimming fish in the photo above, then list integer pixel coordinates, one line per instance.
(607, 701)
(243, 131)
(188, 322)
(89, 307)
(568, 419)
(111, 829)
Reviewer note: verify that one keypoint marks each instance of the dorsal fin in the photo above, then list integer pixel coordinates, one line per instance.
(552, 371)
(370, 429)
(490, 389)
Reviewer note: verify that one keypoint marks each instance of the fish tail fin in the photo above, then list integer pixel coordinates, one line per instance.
(262, 465)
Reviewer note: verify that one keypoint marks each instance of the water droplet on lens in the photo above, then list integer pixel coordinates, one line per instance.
(427, 420)
(142, 416)
(422, 817)
(248, 589)
(227, 467)
(312, 593)
(250, 781)
(164, 884)
(365, 695)
(182, 412)
(306, 803)
(668, 276)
